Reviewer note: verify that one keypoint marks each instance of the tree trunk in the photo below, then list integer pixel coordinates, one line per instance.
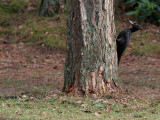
(51, 7)
(91, 59)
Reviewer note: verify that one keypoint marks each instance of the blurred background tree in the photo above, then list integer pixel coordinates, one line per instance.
(51, 7)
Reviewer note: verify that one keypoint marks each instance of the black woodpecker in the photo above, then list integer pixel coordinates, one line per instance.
(124, 37)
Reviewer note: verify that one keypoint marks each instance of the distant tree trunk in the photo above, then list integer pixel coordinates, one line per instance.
(91, 59)
(51, 7)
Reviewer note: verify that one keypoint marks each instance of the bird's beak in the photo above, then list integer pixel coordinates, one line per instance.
(131, 22)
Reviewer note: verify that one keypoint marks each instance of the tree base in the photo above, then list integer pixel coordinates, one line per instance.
(110, 88)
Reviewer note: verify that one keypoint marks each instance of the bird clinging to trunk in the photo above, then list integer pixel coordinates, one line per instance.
(123, 39)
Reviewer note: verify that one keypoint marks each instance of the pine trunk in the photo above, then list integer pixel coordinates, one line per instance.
(91, 59)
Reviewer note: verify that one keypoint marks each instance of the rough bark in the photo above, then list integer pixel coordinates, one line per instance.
(51, 7)
(91, 60)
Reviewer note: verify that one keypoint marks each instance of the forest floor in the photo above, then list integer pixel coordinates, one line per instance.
(31, 66)
(38, 73)
(26, 67)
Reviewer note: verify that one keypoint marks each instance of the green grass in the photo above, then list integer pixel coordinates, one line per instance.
(66, 108)
(28, 27)
(156, 71)
(146, 50)
(13, 6)
(10, 82)
(39, 31)
(141, 83)
(45, 31)
(39, 91)
(143, 44)
(142, 80)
